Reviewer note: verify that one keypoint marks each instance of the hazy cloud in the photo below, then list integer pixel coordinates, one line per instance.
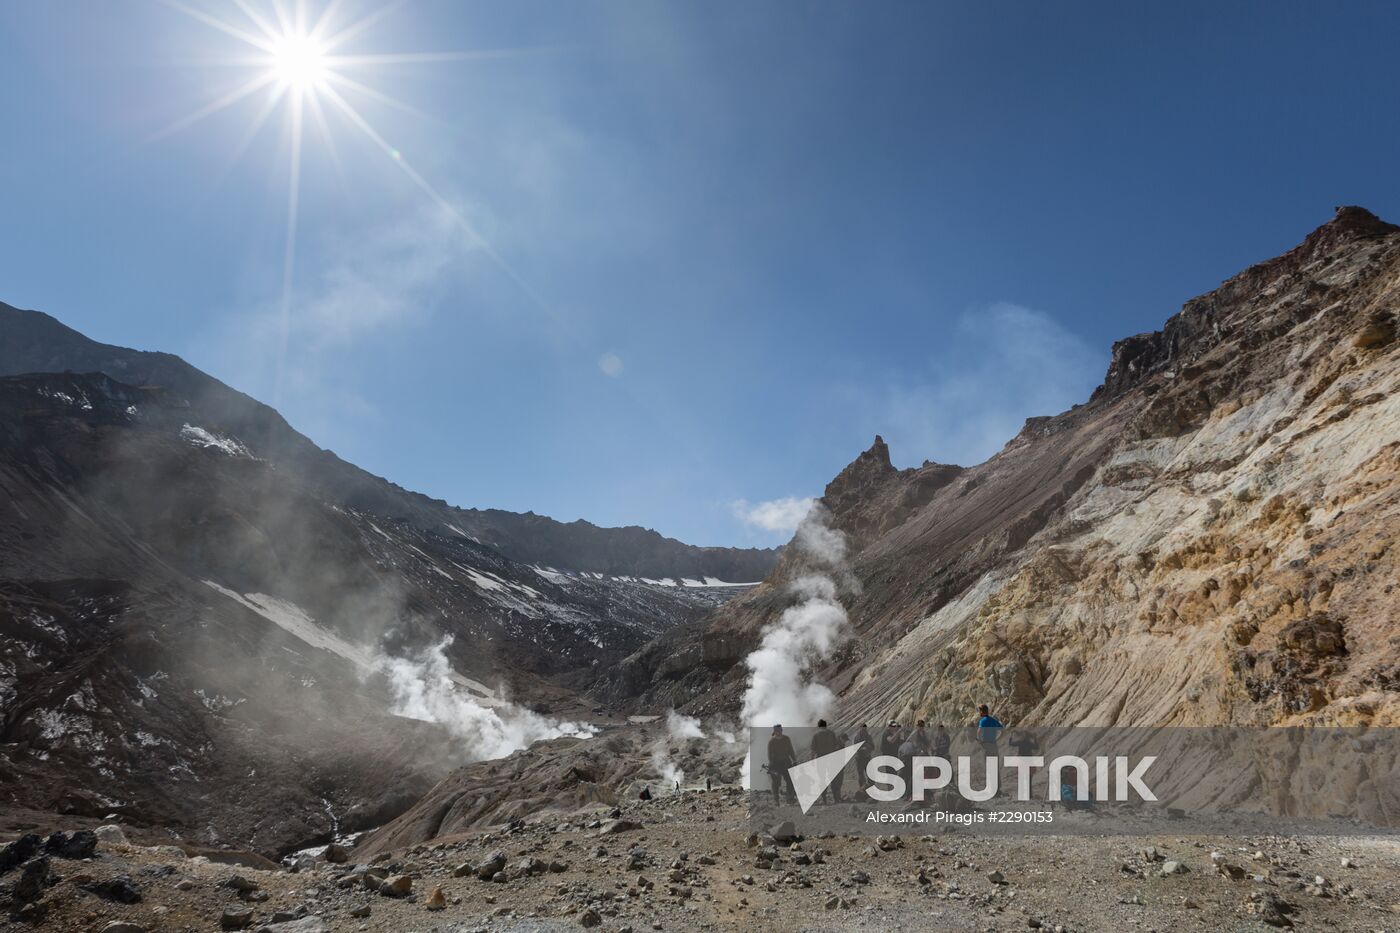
(997, 367)
(775, 515)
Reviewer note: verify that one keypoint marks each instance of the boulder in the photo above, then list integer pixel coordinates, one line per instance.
(396, 886)
(236, 917)
(493, 863)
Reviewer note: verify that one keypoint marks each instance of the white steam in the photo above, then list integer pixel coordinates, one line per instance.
(424, 688)
(681, 726)
(780, 689)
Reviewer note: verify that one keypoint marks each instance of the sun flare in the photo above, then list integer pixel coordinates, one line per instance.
(299, 62)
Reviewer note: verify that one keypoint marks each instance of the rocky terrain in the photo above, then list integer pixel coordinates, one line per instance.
(692, 861)
(1209, 539)
(213, 626)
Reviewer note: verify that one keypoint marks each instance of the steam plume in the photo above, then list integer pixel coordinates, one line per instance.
(780, 688)
(423, 688)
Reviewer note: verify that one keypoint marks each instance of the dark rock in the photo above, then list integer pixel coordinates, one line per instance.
(493, 864)
(118, 889)
(20, 851)
(33, 879)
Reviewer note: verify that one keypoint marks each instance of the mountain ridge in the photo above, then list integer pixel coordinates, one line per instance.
(33, 342)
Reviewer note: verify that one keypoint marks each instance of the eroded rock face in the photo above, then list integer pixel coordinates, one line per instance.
(1209, 539)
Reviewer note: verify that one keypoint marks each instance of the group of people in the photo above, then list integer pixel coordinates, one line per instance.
(895, 740)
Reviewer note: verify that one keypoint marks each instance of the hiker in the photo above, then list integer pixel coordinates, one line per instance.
(889, 740)
(920, 738)
(867, 748)
(781, 757)
(942, 743)
(708, 786)
(988, 731)
(678, 787)
(645, 794)
(824, 742)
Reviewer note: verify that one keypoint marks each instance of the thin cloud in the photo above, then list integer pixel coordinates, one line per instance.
(997, 367)
(776, 516)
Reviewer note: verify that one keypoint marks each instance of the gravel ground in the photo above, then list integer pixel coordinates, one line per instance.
(690, 862)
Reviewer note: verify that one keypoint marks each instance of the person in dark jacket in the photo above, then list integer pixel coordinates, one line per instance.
(890, 740)
(867, 748)
(824, 742)
(781, 757)
(920, 738)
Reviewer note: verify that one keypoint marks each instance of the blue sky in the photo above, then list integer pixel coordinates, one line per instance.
(728, 244)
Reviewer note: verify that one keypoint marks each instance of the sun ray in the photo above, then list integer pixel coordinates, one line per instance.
(415, 58)
(426, 187)
(360, 25)
(208, 20)
(371, 93)
(274, 97)
(251, 86)
(269, 29)
(289, 251)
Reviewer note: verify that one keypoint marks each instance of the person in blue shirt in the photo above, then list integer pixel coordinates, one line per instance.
(988, 730)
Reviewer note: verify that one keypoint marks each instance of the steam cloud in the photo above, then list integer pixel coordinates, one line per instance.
(780, 689)
(423, 689)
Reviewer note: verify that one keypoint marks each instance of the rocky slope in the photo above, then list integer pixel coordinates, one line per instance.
(33, 342)
(196, 637)
(1208, 539)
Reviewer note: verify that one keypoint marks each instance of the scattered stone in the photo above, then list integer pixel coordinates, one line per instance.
(34, 878)
(239, 884)
(613, 827)
(493, 865)
(590, 918)
(784, 832)
(111, 833)
(396, 886)
(20, 851)
(336, 854)
(360, 912)
(296, 925)
(996, 877)
(436, 900)
(82, 844)
(235, 917)
(1270, 909)
(118, 889)
(1173, 867)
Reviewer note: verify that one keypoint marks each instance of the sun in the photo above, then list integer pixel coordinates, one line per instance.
(299, 62)
(300, 67)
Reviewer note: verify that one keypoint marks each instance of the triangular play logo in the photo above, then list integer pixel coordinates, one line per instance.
(810, 778)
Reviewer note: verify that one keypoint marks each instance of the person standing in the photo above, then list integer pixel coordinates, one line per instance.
(824, 742)
(889, 740)
(781, 757)
(988, 731)
(920, 738)
(867, 748)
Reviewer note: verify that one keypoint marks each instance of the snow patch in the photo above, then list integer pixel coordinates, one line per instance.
(198, 437)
